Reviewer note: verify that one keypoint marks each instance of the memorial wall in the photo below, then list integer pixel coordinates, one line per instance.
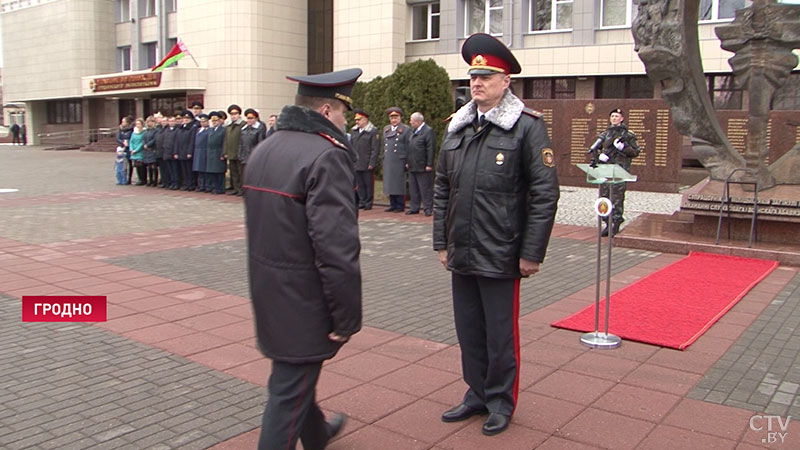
(573, 126)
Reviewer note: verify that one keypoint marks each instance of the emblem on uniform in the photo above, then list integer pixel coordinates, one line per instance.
(479, 60)
(548, 158)
(499, 159)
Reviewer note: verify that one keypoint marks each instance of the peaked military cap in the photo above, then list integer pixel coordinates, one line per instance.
(359, 113)
(216, 114)
(338, 85)
(196, 104)
(616, 110)
(186, 114)
(234, 107)
(487, 55)
(202, 116)
(394, 110)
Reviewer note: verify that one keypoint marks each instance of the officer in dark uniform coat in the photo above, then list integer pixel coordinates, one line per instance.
(184, 144)
(215, 162)
(199, 163)
(366, 143)
(495, 201)
(169, 154)
(422, 147)
(395, 153)
(303, 246)
(618, 147)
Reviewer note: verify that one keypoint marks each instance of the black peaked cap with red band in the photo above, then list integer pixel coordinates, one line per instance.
(338, 85)
(487, 55)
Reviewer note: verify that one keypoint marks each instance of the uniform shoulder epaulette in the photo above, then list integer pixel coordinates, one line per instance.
(387, 128)
(533, 113)
(333, 140)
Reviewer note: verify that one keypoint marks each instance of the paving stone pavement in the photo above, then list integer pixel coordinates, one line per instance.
(75, 386)
(46, 370)
(761, 370)
(405, 289)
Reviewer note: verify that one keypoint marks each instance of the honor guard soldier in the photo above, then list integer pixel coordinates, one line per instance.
(618, 146)
(303, 247)
(495, 200)
(395, 152)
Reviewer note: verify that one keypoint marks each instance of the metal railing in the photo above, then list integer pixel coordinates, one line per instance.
(725, 205)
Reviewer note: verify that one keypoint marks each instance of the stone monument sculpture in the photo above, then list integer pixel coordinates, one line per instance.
(762, 38)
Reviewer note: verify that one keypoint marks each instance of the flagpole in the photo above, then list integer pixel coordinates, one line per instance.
(185, 49)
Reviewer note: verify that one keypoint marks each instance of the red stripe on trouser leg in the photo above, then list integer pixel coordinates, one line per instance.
(297, 406)
(516, 342)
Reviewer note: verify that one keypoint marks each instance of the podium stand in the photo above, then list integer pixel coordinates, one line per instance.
(603, 174)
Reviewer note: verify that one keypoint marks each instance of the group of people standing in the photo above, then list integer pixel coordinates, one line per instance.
(190, 150)
(405, 148)
(19, 134)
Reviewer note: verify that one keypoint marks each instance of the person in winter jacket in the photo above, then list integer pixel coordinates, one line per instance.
(303, 250)
(494, 205)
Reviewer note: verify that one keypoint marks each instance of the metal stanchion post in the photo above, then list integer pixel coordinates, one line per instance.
(596, 339)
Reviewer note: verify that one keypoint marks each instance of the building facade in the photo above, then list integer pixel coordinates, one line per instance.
(90, 64)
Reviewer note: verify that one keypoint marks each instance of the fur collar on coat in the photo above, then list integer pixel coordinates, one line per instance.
(505, 115)
(300, 118)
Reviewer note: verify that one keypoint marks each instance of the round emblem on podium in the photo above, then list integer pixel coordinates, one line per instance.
(603, 207)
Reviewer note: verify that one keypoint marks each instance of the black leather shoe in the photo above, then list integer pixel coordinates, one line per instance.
(335, 425)
(496, 423)
(615, 229)
(367, 208)
(409, 212)
(461, 412)
(604, 233)
(428, 213)
(389, 210)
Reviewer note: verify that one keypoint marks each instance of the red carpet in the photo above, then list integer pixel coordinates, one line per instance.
(677, 304)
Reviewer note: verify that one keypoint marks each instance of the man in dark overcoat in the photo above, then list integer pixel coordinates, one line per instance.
(169, 153)
(365, 139)
(199, 160)
(495, 203)
(184, 144)
(215, 162)
(233, 133)
(303, 246)
(420, 165)
(395, 153)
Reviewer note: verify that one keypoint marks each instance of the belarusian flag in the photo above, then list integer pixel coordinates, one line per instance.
(178, 51)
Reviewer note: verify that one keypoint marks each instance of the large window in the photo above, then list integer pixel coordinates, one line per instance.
(549, 15)
(483, 16)
(123, 10)
(724, 93)
(425, 22)
(150, 54)
(615, 13)
(171, 5)
(720, 9)
(637, 86)
(320, 36)
(64, 111)
(147, 8)
(549, 88)
(788, 96)
(124, 58)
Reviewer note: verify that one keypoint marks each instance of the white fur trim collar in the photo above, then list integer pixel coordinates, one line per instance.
(504, 115)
